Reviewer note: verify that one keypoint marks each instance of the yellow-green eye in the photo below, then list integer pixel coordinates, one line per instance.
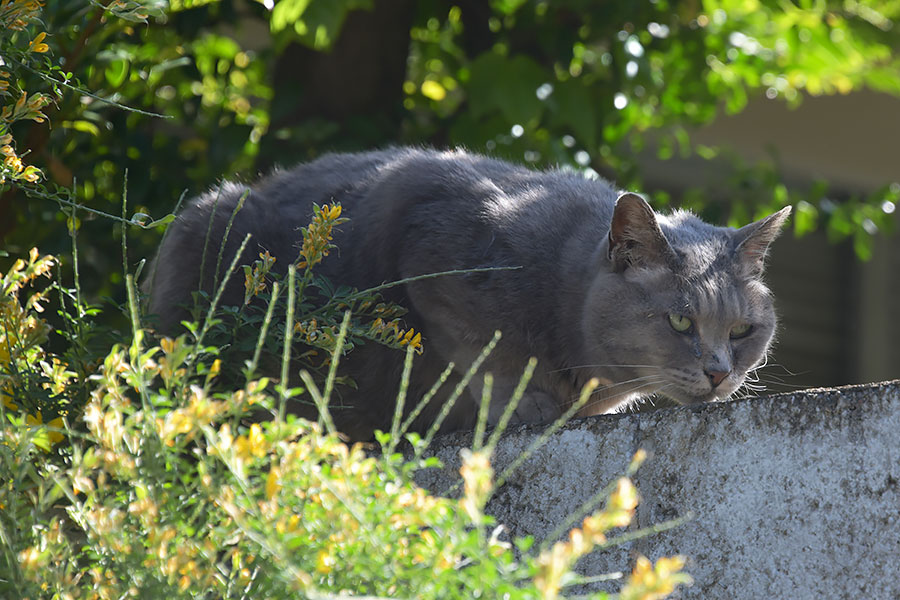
(741, 331)
(681, 323)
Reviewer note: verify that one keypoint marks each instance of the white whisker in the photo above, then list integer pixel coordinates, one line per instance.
(605, 366)
(645, 378)
(644, 382)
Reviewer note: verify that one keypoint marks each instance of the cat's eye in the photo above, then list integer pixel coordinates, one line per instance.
(741, 331)
(681, 323)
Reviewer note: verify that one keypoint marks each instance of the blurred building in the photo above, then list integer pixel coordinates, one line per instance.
(840, 321)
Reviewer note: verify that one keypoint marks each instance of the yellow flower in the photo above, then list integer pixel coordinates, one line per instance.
(146, 510)
(82, 484)
(555, 563)
(273, 482)
(37, 45)
(226, 440)
(57, 373)
(552, 566)
(651, 582)
(56, 436)
(255, 277)
(624, 497)
(324, 562)
(253, 444)
(14, 163)
(413, 339)
(477, 475)
(32, 174)
(167, 344)
(318, 235)
(333, 212)
(30, 559)
(214, 370)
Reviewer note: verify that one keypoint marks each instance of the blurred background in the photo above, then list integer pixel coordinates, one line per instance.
(731, 108)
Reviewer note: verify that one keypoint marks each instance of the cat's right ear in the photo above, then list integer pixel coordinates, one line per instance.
(634, 235)
(752, 241)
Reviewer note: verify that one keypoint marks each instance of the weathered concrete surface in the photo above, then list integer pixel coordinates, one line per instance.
(794, 496)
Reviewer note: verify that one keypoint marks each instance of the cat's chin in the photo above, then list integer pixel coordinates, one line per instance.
(686, 398)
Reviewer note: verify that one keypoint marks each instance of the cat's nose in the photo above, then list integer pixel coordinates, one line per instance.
(716, 377)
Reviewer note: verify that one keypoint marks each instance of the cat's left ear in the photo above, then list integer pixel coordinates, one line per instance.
(634, 235)
(752, 241)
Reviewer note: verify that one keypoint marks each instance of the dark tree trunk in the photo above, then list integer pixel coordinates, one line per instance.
(349, 97)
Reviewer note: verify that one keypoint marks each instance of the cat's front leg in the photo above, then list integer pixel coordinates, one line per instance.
(536, 406)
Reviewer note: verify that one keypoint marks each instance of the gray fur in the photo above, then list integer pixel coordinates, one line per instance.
(597, 282)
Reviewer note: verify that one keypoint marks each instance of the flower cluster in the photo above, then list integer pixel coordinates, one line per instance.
(12, 166)
(317, 236)
(316, 334)
(477, 475)
(178, 495)
(650, 581)
(255, 276)
(24, 365)
(390, 333)
(646, 581)
(169, 488)
(15, 16)
(276, 505)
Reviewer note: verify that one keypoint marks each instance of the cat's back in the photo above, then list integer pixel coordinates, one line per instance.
(399, 200)
(385, 184)
(409, 199)
(271, 211)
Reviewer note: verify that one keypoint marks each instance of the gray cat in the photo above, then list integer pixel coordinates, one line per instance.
(603, 286)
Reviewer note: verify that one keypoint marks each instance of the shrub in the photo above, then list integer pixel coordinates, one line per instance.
(159, 487)
(312, 310)
(129, 467)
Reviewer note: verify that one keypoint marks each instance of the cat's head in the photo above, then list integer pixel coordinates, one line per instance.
(680, 307)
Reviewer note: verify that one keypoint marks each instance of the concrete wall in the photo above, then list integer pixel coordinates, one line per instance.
(793, 496)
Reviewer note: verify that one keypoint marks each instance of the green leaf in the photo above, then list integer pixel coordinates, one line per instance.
(665, 147)
(286, 13)
(507, 7)
(143, 221)
(862, 244)
(81, 125)
(116, 72)
(179, 5)
(315, 23)
(506, 85)
(806, 217)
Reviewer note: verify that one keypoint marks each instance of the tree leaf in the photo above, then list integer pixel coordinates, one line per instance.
(506, 85)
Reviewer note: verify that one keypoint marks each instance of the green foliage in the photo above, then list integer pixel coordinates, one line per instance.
(565, 83)
(612, 81)
(305, 323)
(316, 23)
(129, 468)
(159, 487)
(32, 383)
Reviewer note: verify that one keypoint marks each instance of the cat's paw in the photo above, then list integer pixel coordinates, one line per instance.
(536, 407)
